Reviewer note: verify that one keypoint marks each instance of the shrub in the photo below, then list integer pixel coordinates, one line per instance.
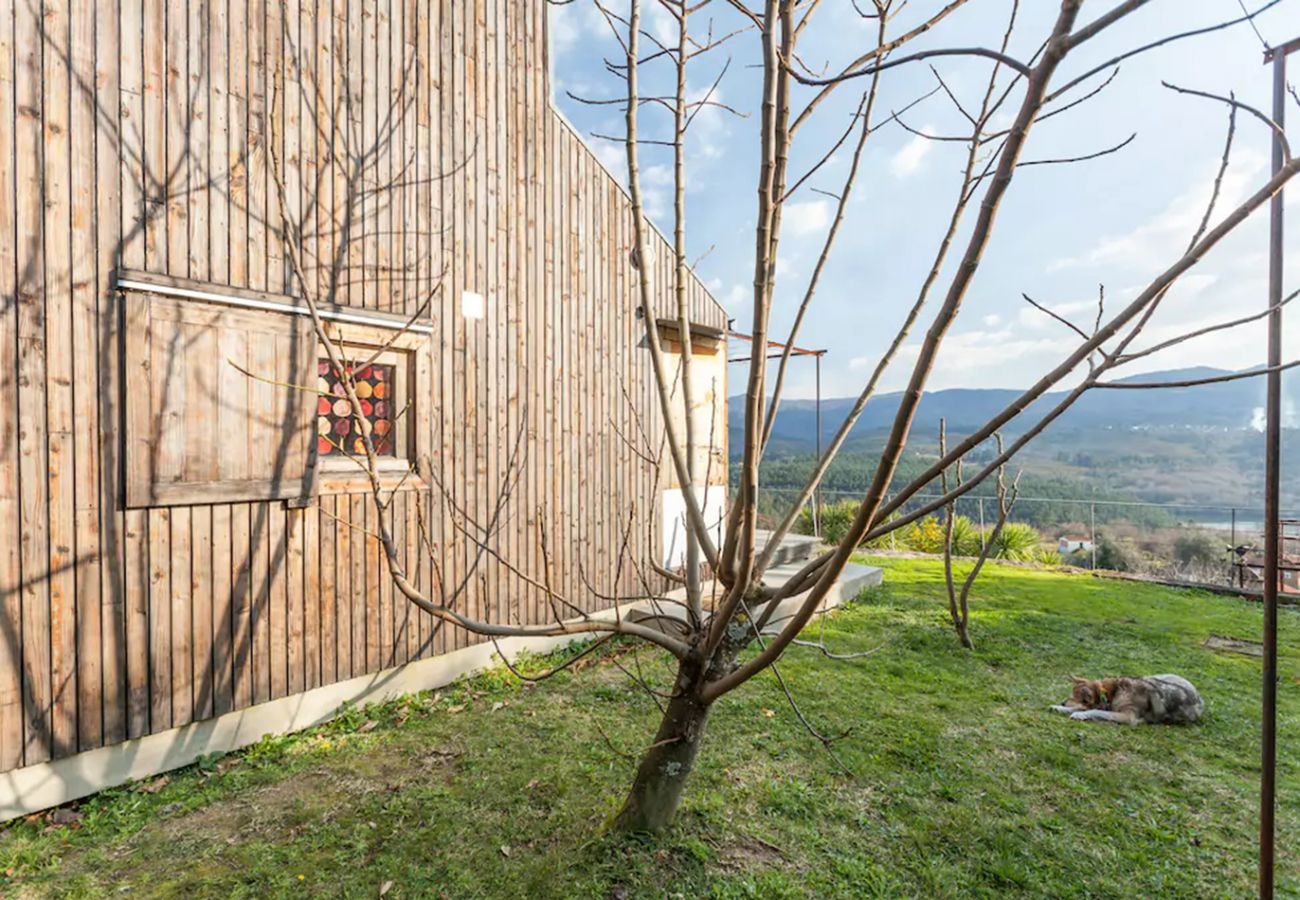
(927, 536)
(924, 536)
(1047, 556)
(836, 519)
(1196, 548)
(1017, 541)
(892, 540)
(1117, 557)
(966, 537)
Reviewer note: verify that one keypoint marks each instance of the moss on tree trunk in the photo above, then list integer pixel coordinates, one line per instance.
(660, 778)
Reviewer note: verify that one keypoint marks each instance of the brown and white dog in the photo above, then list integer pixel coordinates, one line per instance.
(1154, 700)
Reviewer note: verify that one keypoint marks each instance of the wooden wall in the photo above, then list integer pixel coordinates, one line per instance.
(419, 148)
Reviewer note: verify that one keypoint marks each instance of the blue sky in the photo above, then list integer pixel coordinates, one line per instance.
(1063, 230)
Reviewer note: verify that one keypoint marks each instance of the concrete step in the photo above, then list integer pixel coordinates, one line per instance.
(793, 548)
(852, 581)
(671, 617)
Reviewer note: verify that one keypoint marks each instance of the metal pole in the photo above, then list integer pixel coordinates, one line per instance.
(1092, 525)
(817, 505)
(1234, 557)
(1272, 471)
(893, 544)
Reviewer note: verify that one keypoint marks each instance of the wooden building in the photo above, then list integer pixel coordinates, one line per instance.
(183, 566)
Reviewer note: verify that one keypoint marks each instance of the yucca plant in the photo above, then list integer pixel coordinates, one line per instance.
(836, 518)
(1016, 541)
(1046, 556)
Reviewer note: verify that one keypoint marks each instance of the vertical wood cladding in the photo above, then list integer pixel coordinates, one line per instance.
(423, 159)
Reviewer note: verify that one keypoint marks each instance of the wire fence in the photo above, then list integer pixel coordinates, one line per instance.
(1213, 543)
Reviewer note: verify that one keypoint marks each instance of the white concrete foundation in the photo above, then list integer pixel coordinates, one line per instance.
(34, 788)
(41, 786)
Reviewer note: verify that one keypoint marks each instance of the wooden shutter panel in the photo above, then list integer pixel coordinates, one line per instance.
(197, 429)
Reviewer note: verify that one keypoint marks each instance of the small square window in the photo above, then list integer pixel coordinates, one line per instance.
(376, 387)
(384, 380)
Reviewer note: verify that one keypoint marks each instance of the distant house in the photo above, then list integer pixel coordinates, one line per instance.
(1069, 544)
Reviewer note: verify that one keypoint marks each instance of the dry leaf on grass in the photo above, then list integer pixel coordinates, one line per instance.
(64, 816)
(153, 787)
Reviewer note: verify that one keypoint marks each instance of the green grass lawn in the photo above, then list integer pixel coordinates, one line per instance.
(964, 784)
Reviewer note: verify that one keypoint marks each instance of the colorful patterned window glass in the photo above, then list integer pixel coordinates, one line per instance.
(335, 427)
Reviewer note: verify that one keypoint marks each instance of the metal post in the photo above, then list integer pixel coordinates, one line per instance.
(1235, 558)
(1092, 526)
(982, 535)
(817, 491)
(1272, 471)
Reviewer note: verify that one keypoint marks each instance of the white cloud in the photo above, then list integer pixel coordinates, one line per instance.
(734, 300)
(658, 204)
(710, 130)
(652, 176)
(566, 27)
(661, 24)
(808, 217)
(1002, 120)
(1030, 317)
(1164, 237)
(982, 358)
(909, 157)
(992, 321)
(613, 158)
(571, 23)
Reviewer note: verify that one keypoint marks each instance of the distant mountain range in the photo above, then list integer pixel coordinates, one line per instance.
(1228, 405)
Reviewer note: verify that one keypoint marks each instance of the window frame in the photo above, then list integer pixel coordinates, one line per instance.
(402, 459)
(409, 355)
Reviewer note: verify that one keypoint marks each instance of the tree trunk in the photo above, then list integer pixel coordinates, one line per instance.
(963, 634)
(657, 790)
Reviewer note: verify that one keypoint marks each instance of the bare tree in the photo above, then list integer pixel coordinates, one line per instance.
(959, 598)
(730, 624)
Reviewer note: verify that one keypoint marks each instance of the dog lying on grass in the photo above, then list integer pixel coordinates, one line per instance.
(1154, 700)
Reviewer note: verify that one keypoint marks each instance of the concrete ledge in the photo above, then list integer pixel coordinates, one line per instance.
(852, 580)
(855, 577)
(44, 785)
(793, 547)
